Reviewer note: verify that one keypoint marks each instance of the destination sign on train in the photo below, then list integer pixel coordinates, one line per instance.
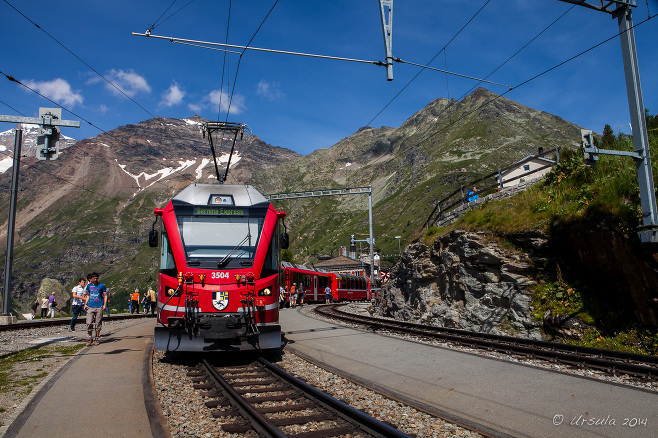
(217, 211)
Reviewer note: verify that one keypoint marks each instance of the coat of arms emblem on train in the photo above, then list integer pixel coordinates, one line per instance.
(220, 300)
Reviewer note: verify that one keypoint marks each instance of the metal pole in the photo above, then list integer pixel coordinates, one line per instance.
(638, 124)
(372, 255)
(9, 256)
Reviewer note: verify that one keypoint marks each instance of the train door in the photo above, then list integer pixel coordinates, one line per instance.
(315, 288)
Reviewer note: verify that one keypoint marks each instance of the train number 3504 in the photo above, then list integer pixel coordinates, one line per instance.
(219, 275)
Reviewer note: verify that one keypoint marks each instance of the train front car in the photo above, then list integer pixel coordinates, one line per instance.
(219, 270)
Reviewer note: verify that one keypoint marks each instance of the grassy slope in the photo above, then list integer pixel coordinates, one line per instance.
(574, 193)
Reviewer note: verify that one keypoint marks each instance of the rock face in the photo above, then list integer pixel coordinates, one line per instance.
(462, 281)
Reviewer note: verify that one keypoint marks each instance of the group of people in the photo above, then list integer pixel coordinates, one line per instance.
(291, 296)
(149, 301)
(47, 306)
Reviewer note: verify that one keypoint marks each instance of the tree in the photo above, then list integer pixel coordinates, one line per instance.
(608, 137)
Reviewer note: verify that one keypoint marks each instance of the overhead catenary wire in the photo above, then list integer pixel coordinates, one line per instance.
(159, 23)
(464, 115)
(428, 63)
(79, 59)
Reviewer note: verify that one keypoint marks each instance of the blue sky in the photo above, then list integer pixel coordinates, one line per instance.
(303, 103)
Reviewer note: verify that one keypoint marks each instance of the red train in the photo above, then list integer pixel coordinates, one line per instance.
(220, 270)
(344, 287)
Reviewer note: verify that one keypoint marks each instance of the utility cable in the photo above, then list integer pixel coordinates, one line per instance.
(451, 103)
(153, 26)
(235, 78)
(224, 66)
(12, 108)
(79, 59)
(533, 78)
(428, 63)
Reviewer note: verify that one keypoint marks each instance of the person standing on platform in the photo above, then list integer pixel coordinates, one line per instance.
(44, 307)
(153, 300)
(34, 307)
(134, 300)
(300, 293)
(78, 293)
(293, 295)
(52, 303)
(327, 295)
(107, 304)
(95, 302)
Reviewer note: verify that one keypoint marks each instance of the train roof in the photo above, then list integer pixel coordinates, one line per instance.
(302, 267)
(222, 194)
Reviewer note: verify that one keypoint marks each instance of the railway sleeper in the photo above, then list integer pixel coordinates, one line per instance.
(236, 428)
(255, 382)
(286, 408)
(217, 402)
(254, 375)
(204, 386)
(266, 398)
(220, 413)
(324, 433)
(279, 388)
(289, 421)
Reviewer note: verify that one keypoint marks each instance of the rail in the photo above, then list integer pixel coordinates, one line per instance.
(65, 321)
(614, 362)
(284, 393)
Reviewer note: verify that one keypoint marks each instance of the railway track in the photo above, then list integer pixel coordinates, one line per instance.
(52, 322)
(264, 398)
(639, 366)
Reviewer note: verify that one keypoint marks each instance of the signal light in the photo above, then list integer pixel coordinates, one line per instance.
(260, 302)
(202, 278)
(180, 278)
(250, 277)
(237, 278)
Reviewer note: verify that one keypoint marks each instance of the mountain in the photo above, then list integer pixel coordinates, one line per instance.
(91, 209)
(410, 168)
(28, 145)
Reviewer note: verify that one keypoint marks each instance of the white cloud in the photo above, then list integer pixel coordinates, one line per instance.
(195, 108)
(128, 81)
(269, 90)
(103, 109)
(212, 101)
(58, 90)
(173, 96)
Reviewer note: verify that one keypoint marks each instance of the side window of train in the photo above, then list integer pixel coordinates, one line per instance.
(166, 255)
(272, 262)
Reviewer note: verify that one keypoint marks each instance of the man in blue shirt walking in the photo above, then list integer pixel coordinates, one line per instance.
(95, 303)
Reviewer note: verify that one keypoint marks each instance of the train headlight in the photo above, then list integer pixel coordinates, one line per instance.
(265, 292)
(170, 291)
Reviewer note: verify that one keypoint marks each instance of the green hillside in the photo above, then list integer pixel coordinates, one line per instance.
(575, 196)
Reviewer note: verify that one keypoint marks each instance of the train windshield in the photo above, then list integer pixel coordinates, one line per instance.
(220, 239)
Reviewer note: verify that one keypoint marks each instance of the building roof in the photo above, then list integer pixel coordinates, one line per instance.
(339, 262)
(544, 161)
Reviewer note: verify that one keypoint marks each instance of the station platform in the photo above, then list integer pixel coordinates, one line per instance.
(104, 390)
(498, 397)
